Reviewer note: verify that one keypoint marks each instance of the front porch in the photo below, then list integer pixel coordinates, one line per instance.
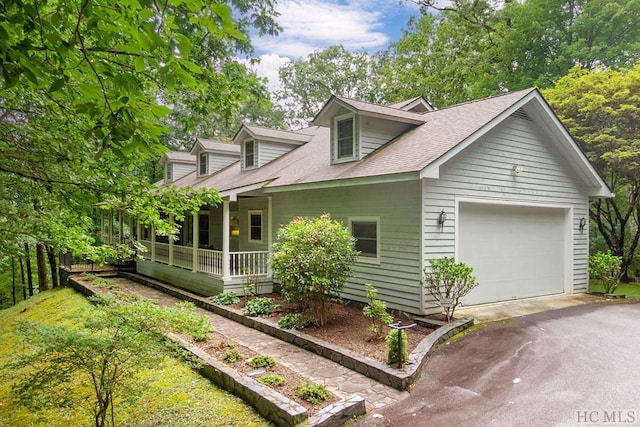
(192, 259)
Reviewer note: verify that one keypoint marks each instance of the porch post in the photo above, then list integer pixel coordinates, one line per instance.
(120, 227)
(225, 240)
(171, 242)
(196, 239)
(130, 226)
(138, 230)
(153, 243)
(102, 225)
(110, 227)
(269, 233)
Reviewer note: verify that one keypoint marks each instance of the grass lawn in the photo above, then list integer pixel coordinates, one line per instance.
(631, 290)
(171, 394)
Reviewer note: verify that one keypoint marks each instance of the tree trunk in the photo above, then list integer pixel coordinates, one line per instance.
(53, 266)
(41, 258)
(24, 287)
(29, 273)
(13, 279)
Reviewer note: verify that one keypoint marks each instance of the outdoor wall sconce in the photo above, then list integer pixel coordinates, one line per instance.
(582, 224)
(442, 218)
(515, 170)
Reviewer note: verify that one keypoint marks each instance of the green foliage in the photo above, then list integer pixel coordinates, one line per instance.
(261, 362)
(294, 321)
(163, 394)
(376, 310)
(226, 298)
(312, 393)
(260, 306)
(472, 49)
(312, 258)
(119, 337)
(606, 267)
(233, 356)
(447, 281)
(273, 380)
(251, 285)
(392, 346)
(600, 108)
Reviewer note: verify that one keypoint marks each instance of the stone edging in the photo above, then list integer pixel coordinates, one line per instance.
(272, 405)
(399, 379)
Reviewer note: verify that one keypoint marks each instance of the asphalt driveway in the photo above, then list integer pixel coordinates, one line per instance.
(577, 366)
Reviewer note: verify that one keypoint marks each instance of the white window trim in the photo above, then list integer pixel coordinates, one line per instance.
(334, 132)
(255, 212)
(376, 219)
(206, 172)
(168, 173)
(244, 154)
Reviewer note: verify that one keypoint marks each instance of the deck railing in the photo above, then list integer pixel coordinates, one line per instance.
(241, 264)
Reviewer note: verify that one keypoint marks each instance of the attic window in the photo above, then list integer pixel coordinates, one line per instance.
(202, 164)
(344, 138)
(168, 173)
(249, 153)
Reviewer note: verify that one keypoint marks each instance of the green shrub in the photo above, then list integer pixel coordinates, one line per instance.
(392, 346)
(447, 282)
(294, 321)
(273, 380)
(261, 362)
(233, 356)
(312, 393)
(226, 298)
(312, 258)
(89, 277)
(606, 267)
(377, 311)
(259, 306)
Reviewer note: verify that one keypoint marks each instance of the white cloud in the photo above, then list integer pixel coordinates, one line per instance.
(268, 67)
(312, 25)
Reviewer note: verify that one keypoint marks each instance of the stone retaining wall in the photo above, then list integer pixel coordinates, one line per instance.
(399, 379)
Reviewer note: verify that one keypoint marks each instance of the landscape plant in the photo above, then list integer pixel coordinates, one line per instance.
(294, 321)
(376, 310)
(312, 393)
(259, 306)
(273, 380)
(607, 268)
(312, 259)
(448, 281)
(113, 341)
(261, 361)
(392, 346)
(226, 298)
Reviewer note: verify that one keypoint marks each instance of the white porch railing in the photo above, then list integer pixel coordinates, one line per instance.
(241, 264)
(252, 263)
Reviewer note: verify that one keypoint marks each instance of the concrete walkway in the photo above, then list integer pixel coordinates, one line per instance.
(509, 309)
(341, 381)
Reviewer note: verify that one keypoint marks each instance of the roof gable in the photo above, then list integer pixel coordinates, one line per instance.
(416, 105)
(336, 103)
(267, 134)
(213, 146)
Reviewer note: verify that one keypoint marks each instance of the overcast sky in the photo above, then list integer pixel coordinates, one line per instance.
(311, 25)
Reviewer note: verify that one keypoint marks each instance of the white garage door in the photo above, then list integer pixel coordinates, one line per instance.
(515, 251)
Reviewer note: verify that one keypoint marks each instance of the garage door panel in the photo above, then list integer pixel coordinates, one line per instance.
(515, 251)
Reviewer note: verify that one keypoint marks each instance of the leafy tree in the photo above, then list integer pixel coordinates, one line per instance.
(448, 281)
(309, 82)
(472, 49)
(312, 258)
(601, 107)
(376, 310)
(85, 93)
(605, 267)
(114, 340)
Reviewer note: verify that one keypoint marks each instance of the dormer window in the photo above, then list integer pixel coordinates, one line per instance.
(168, 173)
(249, 154)
(344, 137)
(203, 166)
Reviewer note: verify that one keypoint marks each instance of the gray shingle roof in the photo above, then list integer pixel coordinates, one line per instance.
(274, 134)
(411, 152)
(369, 109)
(180, 156)
(219, 146)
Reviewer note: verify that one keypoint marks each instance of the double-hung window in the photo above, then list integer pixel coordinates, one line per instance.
(366, 230)
(255, 226)
(249, 154)
(169, 173)
(344, 138)
(203, 166)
